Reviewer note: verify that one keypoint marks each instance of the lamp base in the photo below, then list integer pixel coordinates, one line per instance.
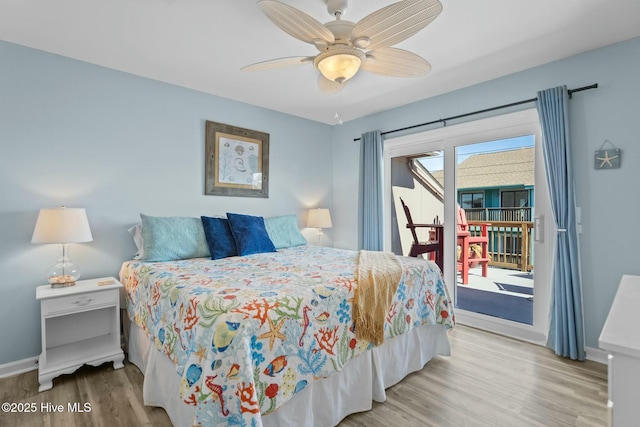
(63, 273)
(62, 281)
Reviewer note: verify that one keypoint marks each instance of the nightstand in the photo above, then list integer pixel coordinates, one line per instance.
(80, 325)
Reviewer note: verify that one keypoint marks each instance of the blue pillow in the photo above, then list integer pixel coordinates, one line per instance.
(250, 234)
(219, 237)
(172, 238)
(284, 232)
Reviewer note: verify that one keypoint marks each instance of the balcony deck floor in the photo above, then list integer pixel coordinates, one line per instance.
(495, 301)
(498, 275)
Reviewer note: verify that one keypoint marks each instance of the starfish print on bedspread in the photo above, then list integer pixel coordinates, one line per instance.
(274, 332)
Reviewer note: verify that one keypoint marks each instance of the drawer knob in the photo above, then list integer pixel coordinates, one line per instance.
(83, 301)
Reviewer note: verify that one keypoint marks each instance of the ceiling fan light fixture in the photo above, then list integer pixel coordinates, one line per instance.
(342, 43)
(339, 64)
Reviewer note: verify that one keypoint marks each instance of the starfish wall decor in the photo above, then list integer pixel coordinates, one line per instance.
(607, 158)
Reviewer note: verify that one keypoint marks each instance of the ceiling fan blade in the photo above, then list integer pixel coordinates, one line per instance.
(295, 22)
(393, 62)
(396, 22)
(329, 86)
(278, 63)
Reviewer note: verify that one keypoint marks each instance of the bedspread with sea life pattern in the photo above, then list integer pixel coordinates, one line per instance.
(247, 333)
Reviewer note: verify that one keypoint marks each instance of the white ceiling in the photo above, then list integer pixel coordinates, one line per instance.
(202, 44)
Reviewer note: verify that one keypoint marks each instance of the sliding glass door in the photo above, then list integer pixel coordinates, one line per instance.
(484, 182)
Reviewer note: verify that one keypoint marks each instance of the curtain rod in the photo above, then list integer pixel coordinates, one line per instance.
(486, 110)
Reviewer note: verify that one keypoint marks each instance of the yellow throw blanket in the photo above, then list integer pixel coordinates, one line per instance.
(379, 274)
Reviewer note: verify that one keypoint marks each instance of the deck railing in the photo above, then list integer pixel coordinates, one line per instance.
(498, 214)
(510, 243)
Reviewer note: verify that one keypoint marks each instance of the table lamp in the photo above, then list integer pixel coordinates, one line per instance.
(62, 226)
(319, 218)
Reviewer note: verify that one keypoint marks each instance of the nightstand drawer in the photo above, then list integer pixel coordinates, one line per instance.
(79, 302)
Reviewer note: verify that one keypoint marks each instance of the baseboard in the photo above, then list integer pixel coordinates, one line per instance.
(18, 367)
(596, 355)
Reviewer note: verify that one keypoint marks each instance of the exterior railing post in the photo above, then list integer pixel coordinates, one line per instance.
(524, 259)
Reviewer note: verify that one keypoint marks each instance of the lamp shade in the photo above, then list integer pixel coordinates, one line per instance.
(319, 218)
(62, 225)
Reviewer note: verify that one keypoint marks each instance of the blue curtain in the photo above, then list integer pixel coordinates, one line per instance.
(566, 331)
(371, 187)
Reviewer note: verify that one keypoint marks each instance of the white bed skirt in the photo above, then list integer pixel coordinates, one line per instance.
(322, 403)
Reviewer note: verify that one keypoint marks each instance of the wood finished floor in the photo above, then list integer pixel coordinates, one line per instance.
(489, 380)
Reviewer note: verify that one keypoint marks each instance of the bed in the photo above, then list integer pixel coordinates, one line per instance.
(269, 338)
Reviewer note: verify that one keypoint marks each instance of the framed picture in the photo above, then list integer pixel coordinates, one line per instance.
(237, 161)
(608, 159)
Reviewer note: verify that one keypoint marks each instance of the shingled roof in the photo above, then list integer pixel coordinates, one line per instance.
(499, 169)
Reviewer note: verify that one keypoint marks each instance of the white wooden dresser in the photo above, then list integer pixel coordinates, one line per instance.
(620, 337)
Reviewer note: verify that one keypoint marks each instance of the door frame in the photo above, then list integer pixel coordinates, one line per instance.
(447, 138)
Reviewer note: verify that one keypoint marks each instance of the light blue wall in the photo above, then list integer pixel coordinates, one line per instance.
(116, 144)
(609, 199)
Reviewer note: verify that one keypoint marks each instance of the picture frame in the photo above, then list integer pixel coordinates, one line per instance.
(237, 161)
(607, 159)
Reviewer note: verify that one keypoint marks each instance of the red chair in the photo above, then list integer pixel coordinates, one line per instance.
(465, 240)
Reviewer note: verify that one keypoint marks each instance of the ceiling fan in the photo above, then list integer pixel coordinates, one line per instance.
(346, 47)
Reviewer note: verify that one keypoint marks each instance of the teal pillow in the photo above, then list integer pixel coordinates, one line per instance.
(250, 234)
(171, 238)
(284, 232)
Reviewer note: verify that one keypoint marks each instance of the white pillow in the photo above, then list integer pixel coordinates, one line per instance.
(136, 233)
